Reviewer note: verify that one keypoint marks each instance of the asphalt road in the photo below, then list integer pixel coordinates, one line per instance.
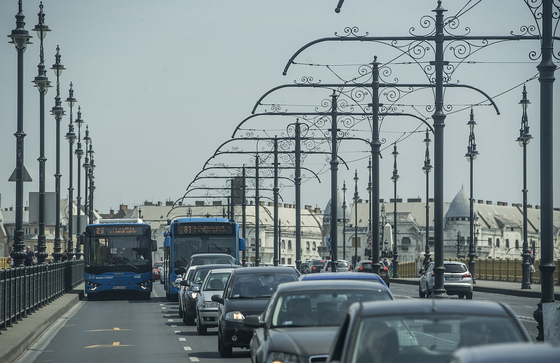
(151, 331)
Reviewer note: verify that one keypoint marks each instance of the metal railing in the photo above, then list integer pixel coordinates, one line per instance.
(495, 269)
(23, 290)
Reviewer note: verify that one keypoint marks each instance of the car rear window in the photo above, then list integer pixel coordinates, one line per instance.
(455, 268)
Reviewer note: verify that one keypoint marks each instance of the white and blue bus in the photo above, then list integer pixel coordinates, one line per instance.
(185, 237)
(118, 258)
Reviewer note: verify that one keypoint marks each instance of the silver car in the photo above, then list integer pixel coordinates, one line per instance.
(206, 309)
(457, 280)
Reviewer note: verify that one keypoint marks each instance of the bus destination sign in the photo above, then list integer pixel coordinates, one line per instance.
(118, 230)
(205, 229)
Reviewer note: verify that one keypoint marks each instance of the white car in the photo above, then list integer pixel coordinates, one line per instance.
(457, 280)
(206, 309)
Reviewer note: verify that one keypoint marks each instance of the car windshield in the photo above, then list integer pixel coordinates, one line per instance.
(199, 276)
(216, 281)
(455, 268)
(247, 286)
(427, 338)
(319, 308)
(210, 260)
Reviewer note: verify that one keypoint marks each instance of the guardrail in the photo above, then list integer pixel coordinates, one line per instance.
(23, 290)
(495, 269)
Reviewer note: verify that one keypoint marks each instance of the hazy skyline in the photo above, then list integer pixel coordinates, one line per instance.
(162, 85)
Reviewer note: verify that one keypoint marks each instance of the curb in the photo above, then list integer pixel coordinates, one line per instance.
(15, 340)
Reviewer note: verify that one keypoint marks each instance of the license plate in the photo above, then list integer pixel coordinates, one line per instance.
(119, 287)
(451, 279)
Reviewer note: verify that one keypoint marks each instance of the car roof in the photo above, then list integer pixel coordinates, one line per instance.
(211, 255)
(214, 266)
(341, 276)
(432, 306)
(264, 270)
(330, 285)
(221, 270)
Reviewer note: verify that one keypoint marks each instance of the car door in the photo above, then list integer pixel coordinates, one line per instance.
(430, 277)
(260, 344)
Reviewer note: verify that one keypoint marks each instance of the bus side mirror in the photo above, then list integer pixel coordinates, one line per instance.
(241, 244)
(167, 242)
(154, 245)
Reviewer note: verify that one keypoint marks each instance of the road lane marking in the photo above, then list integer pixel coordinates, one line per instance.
(187, 348)
(114, 329)
(115, 344)
(194, 359)
(182, 339)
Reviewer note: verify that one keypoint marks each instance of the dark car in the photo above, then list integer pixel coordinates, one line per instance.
(422, 330)
(301, 320)
(187, 303)
(316, 266)
(345, 276)
(367, 266)
(247, 292)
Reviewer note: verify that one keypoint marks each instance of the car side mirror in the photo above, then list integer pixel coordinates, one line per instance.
(218, 299)
(195, 289)
(253, 321)
(184, 283)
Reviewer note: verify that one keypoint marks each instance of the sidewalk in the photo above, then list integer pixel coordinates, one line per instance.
(17, 339)
(495, 287)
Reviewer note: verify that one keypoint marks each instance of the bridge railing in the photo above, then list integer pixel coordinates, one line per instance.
(23, 290)
(495, 269)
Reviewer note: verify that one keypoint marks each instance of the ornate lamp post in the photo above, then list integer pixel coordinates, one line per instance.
(57, 111)
(86, 166)
(42, 83)
(471, 154)
(71, 137)
(79, 153)
(91, 178)
(355, 218)
(370, 226)
(20, 38)
(383, 222)
(427, 168)
(395, 178)
(523, 140)
(344, 221)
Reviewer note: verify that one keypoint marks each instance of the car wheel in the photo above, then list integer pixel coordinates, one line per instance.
(461, 296)
(469, 295)
(421, 293)
(225, 352)
(180, 311)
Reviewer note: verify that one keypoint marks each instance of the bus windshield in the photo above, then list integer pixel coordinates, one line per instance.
(120, 250)
(185, 247)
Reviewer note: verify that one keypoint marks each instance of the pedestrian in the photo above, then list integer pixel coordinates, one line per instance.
(531, 265)
(29, 257)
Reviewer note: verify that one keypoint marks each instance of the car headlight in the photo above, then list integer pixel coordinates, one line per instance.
(235, 316)
(192, 294)
(278, 357)
(209, 304)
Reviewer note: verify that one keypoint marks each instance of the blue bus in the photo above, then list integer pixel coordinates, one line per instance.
(185, 237)
(118, 258)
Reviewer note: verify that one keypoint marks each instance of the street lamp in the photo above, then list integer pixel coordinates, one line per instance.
(427, 168)
(471, 154)
(57, 111)
(71, 137)
(395, 178)
(523, 140)
(344, 221)
(20, 38)
(86, 166)
(79, 153)
(91, 180)
(355, 217)
(370, 227)
(42, 83)
(383, 222)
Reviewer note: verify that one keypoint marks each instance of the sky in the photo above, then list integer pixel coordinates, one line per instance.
(163, 84)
